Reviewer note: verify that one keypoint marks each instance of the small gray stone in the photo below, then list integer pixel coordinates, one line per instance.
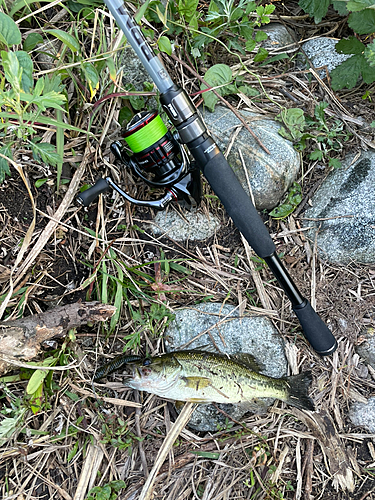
(193, 225)
(279, 39)
(133, 70)
(363, 415)
(254, 335)
(367, 348)
(322, 52)
(270, 176)
(345, 205)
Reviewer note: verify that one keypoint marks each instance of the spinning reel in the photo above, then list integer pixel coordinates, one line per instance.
(158, 159)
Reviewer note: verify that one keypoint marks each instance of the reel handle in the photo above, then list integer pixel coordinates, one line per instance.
(88, 196)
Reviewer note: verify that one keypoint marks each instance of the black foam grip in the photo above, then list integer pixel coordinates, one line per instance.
(315, 330)
(238, 204)
(93, 192)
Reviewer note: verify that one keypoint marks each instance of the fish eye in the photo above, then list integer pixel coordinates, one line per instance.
(147, 362)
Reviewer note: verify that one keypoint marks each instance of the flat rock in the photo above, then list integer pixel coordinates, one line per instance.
(321, 52)
(363, 414)
(345, 207)
(279, 39)
(254, 335)
(270, 176)
(192, 225)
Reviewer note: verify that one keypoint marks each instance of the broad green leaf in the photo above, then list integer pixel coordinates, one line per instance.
(317, 154)
(260, 36)
(36, 398)
(316, 8)
(294, 121)
(117, 485)
(188, 8)
(368, 72)
(91, 76)
(362, 22)
(357, 5)
(12, 70)
(66, 38)
(47, 100)
(250, 45)
(9, 31)
(340, 6)
(250, 7)
(111, 68)
(45, 152)
(347, 73)
(370, 53)
(4, 165)
(261, 55)
(125, 115)
(216, 76)
(20, 4)
(36, 380)
(141, 12)
(164, 45)
(27, 82)
(350, 45)
(32, 41)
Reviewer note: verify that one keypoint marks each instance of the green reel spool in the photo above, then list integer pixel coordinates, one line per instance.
(144, 131)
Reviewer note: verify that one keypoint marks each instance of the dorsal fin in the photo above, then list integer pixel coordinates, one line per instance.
(248, 360)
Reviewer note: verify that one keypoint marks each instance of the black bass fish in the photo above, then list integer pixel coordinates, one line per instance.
(204, 377)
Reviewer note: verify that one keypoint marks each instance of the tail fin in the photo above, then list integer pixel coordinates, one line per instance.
(298, 385)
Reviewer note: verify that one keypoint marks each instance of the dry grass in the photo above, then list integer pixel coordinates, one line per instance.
(83, 439)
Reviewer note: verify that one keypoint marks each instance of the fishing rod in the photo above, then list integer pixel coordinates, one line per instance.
(157, 151)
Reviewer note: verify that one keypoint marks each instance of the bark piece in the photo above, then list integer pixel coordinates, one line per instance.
(21, 338)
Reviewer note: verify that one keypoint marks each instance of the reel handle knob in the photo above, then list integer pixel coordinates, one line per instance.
(93, 192)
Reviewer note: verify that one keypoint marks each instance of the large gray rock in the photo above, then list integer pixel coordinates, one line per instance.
(271, 175)
(322, 52)
(193, 225)
(254, 335)
(345, 208)
(363, 415)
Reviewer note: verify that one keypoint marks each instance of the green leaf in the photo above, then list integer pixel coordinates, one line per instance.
(340, 6)
(124, 115)
(260, 36)
(206, 454)
(117, 485)
(39, 86)
(188, 9)
(40, 182)
(47, 100)
(347, 73)
(141, 12)
(362, 22)
(334, 162)
(20, 4)
(4, 165)
(32, 41)
(250, 45)
(27, 81)
(294, 121)
(261, 55)
(316, 155)
(216, 76)
(316, 8)
(164, 45)
(9, 31)
(46, 120)
(12, 70)
(36, 380)
(92, 77)
(357, 5)
(370, 53)
(350, 45)
(66, 38)
(45, 152)
(368, 71)
(277, 57)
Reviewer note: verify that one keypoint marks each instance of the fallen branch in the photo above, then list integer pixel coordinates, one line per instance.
(21, 339)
